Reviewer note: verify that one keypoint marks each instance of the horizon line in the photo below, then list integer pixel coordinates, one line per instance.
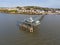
(26, 5)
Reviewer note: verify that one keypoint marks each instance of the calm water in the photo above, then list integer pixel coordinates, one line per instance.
(48, 34)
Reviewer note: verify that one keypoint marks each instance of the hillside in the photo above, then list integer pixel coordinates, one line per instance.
(30, 10)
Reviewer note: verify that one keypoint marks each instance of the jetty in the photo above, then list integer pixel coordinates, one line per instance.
(30, 24)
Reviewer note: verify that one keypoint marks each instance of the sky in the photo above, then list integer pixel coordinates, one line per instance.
(41, 3)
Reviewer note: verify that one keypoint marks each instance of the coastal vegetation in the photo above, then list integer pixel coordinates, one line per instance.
(30, 10)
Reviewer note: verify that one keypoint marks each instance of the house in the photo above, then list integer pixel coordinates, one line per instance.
(57, 11)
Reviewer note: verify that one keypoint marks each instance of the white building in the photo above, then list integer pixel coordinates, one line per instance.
(57, 11)
(40, 11)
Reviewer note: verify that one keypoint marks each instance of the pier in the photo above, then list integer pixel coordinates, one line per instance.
(32, 25)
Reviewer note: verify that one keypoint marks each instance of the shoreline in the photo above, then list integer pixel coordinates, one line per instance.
(33, 14)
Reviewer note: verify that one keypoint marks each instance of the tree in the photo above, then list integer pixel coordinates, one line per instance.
(18, 7)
